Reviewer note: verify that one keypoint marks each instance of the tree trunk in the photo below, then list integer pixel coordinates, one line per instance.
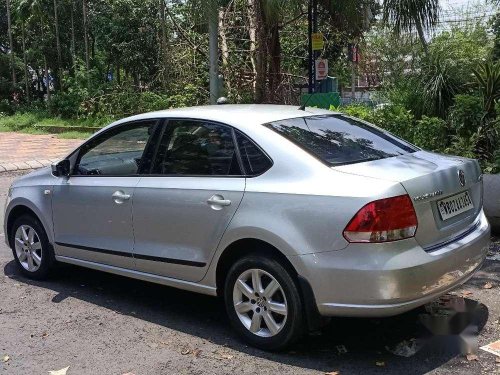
(274, 53)
(421, 36)
(118, 75)
(25, 60)
(256, 12)
(224, 47)
(86, 40)
(223, 38)
(11, 45)
(47, 82)
(251, 34)
(163, 47)
(58, 47)
(213, 42)
(73, 41)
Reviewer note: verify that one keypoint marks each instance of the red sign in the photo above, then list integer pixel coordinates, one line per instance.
(321, 69)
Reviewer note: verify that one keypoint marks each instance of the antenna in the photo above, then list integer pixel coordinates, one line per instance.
(303, 107)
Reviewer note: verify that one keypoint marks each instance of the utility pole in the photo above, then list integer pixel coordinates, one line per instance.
(213, 44)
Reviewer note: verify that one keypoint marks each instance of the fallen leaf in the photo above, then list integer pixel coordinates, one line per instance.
(332, 373)
(497, 359)
(185, 351)
(471, 357)
(197, 352)
(129, 373)
(380, 363)
(44, 335)
(5, 358)
(62, 371)
(466, 293)
(226, 356)
(488, 286)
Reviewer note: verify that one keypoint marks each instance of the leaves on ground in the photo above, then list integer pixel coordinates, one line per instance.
(62, 371)
(488, 286)
(472, 357)
(5, 358)
(332, 373)
(466, 293)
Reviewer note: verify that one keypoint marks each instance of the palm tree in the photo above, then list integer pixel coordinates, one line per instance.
(411, 15)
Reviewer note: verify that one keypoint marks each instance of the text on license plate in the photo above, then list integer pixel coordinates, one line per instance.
(454, 205)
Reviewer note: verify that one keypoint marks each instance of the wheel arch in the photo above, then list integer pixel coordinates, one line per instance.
(16, 212)
(245, 246)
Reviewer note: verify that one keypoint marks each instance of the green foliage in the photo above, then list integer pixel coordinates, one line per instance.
(487, 76)
(396, 119)
(466, 114)
(19, 121)
(430, 133)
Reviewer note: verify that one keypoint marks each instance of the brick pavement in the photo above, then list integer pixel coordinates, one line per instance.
(20, 151)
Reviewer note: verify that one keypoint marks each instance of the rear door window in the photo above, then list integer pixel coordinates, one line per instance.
(340, 140)
(196, 148)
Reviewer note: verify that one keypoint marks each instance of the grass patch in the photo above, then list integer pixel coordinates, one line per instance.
(34, 123)
(74, 135)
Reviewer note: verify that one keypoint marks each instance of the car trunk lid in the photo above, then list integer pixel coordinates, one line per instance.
(442, 204)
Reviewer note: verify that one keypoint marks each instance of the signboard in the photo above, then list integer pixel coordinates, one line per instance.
(317, 41)
(321, 69)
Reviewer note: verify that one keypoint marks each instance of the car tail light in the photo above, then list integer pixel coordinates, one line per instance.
(383, 220)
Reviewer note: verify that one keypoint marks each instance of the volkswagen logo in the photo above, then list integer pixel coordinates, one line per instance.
(461, 177)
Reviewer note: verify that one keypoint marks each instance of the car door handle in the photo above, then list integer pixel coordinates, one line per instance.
(218, 200)
(119, 197)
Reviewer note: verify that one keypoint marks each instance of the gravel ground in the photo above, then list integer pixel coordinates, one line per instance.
(97, 323)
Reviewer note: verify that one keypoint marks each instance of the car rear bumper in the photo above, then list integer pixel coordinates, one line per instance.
(391, 278)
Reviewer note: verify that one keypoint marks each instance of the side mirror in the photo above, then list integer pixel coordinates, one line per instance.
(61, 168)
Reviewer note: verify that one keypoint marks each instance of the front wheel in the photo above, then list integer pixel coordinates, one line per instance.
(31, 248)
(263, 302)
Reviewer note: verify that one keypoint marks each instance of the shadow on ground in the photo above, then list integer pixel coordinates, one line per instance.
(346, 344)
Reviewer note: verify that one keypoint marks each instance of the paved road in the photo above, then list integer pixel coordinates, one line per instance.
(103, 324)
(23, 151)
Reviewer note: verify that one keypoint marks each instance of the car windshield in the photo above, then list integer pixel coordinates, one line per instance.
(339, 140)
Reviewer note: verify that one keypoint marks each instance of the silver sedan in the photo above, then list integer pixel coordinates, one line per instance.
(291, 215)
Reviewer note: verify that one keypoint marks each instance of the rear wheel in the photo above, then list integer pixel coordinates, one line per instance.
(31, 248)
(263, 302)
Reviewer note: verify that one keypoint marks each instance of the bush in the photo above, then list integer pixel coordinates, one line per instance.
(393, 118)
(466, 115)
(19, 121)
(360, 111)
(430, 133)
(396, 119)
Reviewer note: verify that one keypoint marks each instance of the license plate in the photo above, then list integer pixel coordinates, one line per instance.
(455, 205)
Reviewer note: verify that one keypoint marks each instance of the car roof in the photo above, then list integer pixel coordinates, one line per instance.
(238, 115)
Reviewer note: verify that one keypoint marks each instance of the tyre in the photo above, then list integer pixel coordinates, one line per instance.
(31, 248)
(263, 303)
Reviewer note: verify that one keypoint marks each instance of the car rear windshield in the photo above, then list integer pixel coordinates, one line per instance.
(339, 140)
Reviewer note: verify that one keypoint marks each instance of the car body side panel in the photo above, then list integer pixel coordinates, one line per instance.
(89, 224)
(30, 192)
(176, 231)
(283, 212)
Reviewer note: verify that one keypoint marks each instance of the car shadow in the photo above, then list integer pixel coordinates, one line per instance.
(347, 345)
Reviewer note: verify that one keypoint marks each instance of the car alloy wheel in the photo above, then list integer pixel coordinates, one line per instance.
(260, 302)
(28, 248)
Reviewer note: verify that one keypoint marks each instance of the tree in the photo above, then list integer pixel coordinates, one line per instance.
(411, 15)
(11, 44)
